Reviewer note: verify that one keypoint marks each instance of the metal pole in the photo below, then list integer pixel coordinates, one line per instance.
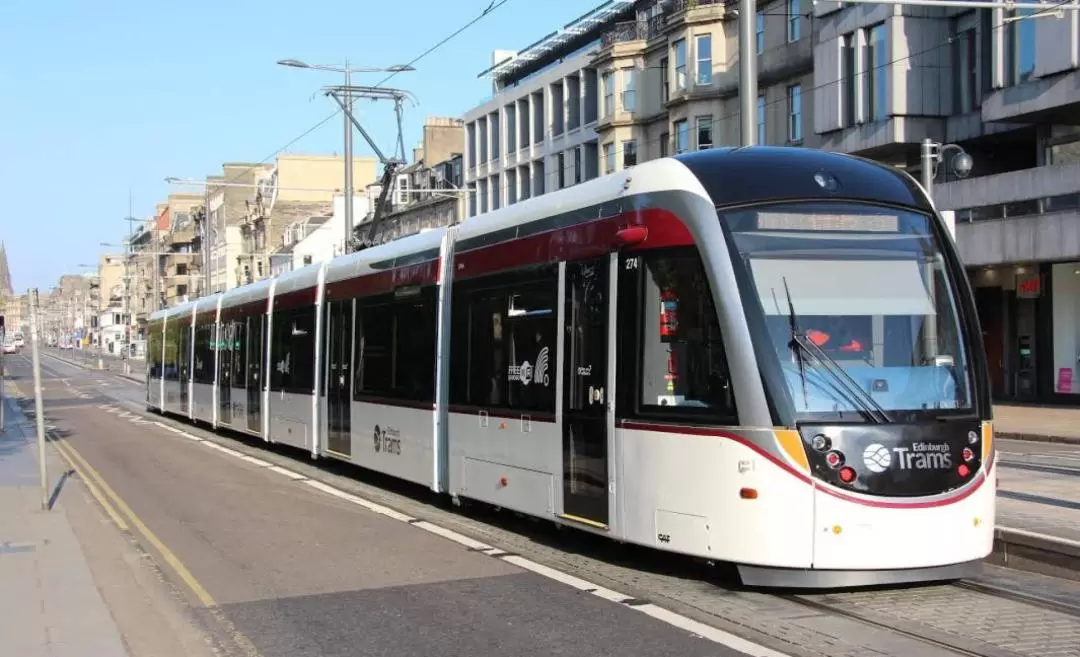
(747, 72)
(927, 155)
(348, 163)
(39, 405)
(2, 340)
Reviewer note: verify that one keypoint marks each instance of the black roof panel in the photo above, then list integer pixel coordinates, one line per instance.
(734, 176)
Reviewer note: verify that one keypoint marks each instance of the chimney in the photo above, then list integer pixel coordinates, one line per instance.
(418, 152)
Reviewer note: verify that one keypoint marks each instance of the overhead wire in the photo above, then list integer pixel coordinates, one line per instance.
(495, 4)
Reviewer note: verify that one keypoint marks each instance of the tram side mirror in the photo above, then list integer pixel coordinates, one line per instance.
(962, 164)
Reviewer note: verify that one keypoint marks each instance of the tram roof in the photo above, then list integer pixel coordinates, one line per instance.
(724, 176)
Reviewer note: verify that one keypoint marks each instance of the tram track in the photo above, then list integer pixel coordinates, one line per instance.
(1046, 468)
(951, 643)
(1043, 602)
(835, 604)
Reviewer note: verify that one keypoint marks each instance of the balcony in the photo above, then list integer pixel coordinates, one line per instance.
(1021, 216)
(694, 11)
(1053, 99)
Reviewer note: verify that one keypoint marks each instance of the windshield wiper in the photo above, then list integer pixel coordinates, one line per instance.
(871, 407)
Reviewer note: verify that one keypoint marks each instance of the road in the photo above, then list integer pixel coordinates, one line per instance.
(285, 569)
(304, 561)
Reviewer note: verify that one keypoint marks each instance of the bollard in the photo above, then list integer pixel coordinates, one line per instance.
(39, 404)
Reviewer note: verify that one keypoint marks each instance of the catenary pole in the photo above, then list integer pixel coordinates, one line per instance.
(39, 405)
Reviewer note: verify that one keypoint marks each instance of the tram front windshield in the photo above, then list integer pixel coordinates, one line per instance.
(860, 309)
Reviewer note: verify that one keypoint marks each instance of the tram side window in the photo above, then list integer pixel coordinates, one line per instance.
(203, 367)
(154, 344)
(503, 344)
(293, 353)
(170, 366)
(395, 347)
(681, 366)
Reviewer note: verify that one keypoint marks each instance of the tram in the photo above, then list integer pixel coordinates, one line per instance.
(762, 356)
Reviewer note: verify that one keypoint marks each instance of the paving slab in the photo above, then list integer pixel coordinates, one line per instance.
(1054, 424)
(49, 603)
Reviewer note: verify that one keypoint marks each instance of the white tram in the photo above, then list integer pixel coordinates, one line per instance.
(766, 356)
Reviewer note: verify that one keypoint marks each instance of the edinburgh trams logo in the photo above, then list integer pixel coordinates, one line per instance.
(526, 373)
(920, 456)
(387, 440)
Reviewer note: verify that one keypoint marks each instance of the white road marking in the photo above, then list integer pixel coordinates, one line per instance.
(288, 473)
(254, 461)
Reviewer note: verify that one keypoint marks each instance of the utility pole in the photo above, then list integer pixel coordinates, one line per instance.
(2, 342)
(349, 220)
(350, 121)
(39, 405)
(747, 72)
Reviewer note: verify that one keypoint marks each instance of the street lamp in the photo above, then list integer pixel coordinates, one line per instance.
(348, 71)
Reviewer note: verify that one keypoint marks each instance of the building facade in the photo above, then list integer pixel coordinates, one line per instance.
(653, 78)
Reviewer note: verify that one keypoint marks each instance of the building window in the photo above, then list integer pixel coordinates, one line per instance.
(966, 64)
(794, 101)
(759, 32)
(793, 21)
(609, 157)
(664, 81)
(704, 132)
(682, 137)
(562, 169)
(680, 63)
(629, 94)
(665, 140)
(847, 73)
(511, 127)
(877, 78)
(607, 82)
(577, 164)
(1020, 47)
(307, 260)
(761, 119)
(629, 153)
(704, 59)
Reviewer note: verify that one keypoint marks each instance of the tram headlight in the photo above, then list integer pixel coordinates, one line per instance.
(834, 459)
(820, 442)
(968, 454)
(847, 475)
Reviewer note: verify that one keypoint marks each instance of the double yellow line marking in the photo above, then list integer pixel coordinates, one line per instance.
(122, 515)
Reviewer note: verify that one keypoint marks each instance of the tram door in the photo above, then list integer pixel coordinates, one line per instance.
(184, 357)
(338, 381)
(585, 397)
(256, 352)
(225, 346)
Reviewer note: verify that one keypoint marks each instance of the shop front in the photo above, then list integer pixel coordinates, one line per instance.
(1030, 318)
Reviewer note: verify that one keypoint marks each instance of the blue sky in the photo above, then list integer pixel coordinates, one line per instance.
(101, 98)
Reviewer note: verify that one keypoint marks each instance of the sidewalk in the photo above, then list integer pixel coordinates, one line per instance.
(111, 363)
(49, 604)
(1053, 424)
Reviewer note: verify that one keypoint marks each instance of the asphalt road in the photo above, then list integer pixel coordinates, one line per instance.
(287, 570)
